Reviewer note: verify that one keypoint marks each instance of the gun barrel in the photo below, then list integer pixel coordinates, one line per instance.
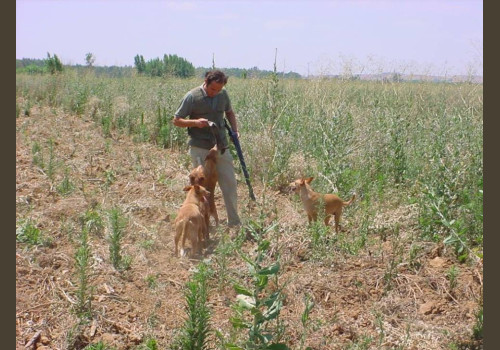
(236, 142)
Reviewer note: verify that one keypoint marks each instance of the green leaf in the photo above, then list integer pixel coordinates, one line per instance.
(262, 281)
(274, 310)
(271, 270)
(264, 245)
(242, 290)
(245, 302)
(450, 240)
(278, 346)
(233, 347)
(269, 301)
(238, 323)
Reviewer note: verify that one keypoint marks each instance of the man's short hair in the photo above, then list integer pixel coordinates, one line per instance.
(217, 76)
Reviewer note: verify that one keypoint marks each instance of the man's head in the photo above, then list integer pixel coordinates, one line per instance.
(214, 82)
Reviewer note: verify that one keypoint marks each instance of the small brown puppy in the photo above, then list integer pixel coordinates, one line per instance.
(189, 223)
(310, 199)
(206, 175)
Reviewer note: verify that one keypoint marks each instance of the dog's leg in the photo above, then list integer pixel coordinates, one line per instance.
(176, 240)
(206, 231)
(206, 222)
(184, 237)
(314, 216)
(213, 208)
(196, 249)
(200, 244)
(309, 218)
(215, 215)
(327, 219)
(202, 232)
(337, 221)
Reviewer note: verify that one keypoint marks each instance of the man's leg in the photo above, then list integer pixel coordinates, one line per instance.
(197, 155)
(228, 186)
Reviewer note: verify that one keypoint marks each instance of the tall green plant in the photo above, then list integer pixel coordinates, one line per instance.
(117, 224)
(194, 334)
(83, 256)
(262, 305)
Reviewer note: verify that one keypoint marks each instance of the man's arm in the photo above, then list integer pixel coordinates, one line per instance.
(190, 123)
(184, 110)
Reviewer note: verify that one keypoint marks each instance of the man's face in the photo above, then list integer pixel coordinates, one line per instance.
(213, 88)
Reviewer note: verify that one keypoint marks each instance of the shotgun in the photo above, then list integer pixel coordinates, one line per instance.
(236, 142)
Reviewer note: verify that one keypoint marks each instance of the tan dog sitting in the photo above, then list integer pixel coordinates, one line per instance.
(311, 200)
(206, 176)
(190, 223)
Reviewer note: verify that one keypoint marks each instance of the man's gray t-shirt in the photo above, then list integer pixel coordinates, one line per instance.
(186, 105)
(197, 104)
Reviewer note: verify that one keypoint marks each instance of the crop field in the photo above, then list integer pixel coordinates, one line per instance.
(100, 170)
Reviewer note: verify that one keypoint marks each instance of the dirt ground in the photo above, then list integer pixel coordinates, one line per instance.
(353, 308)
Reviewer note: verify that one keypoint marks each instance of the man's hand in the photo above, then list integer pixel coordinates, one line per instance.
(201, 123)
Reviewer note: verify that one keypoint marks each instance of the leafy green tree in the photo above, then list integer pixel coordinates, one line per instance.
(53, 64)
(140, 64)
(172, 65)
(89, 59)
(154, 67)
(178, 66)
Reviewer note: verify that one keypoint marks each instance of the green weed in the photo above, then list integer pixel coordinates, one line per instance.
(194, 334)
(66, 186)
(83, 256)
(28, 232)
(93, 221)
(117, 225)
(98, 346)
(257, 307)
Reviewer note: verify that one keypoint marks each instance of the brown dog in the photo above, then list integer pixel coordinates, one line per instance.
(189, 223)
(206, 176)
(310, 199)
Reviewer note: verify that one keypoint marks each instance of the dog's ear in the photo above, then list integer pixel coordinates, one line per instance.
(309, 179)
(187, 188)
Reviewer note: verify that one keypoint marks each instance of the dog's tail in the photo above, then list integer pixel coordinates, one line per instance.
(349, 202)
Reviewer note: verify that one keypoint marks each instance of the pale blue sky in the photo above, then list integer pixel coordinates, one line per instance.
(322, 37)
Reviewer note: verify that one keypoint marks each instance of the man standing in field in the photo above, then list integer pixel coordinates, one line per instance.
(203, 104)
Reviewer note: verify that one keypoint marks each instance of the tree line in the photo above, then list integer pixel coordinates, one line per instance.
(169, 65)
